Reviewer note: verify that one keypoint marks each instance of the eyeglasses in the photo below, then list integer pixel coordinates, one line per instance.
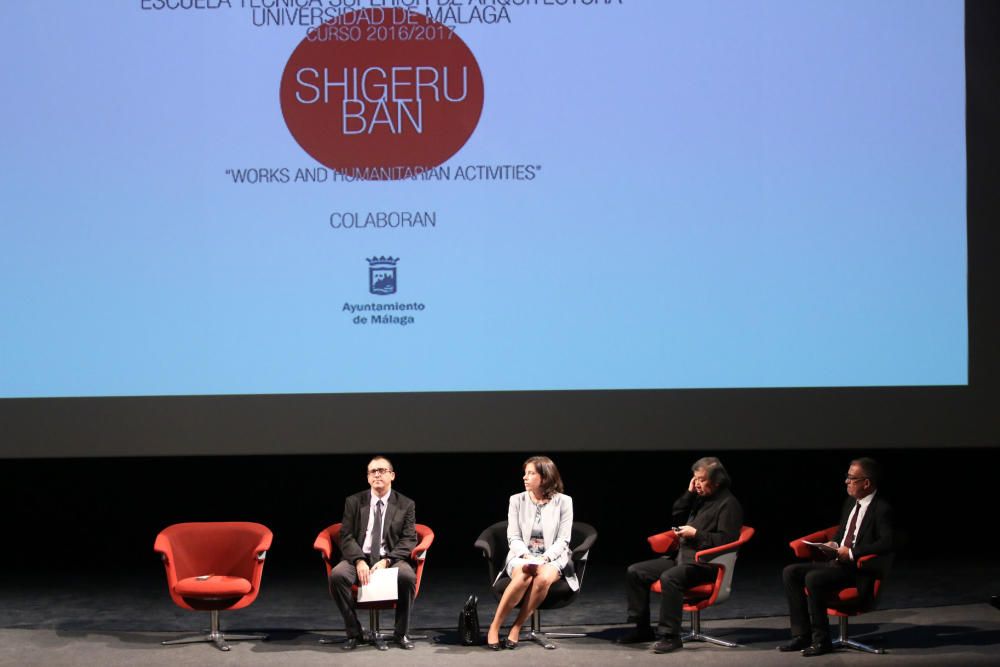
(379, 471)
(854, 479)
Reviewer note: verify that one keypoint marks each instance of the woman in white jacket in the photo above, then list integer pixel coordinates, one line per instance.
(539, 526)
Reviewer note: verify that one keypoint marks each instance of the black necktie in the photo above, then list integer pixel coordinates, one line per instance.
(377, 533)
(849, 537)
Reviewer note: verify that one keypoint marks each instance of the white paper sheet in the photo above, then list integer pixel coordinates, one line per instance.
(381, 586)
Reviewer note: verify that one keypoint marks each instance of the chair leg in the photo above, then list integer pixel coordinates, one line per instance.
(696, 635)
(332, 640)
(214, 636)
(375, 631)
(843, 641)
(542, 638)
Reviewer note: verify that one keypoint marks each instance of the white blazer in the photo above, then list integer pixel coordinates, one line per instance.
(557, 528)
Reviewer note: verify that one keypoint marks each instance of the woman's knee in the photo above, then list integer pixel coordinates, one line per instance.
(540, 589)
(519, 582)
(546, 577)
(520, 577)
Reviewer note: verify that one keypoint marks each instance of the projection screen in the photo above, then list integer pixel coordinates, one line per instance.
(265, 226)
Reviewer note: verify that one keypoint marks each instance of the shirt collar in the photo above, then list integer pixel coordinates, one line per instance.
(867, 500)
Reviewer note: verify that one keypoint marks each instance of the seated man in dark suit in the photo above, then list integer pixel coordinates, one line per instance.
(865, 528)
(706, 515)
(378, 531)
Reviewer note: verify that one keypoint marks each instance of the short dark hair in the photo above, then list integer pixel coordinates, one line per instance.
(547, 470)
(871, 468)
(379, 457)
(713, 467)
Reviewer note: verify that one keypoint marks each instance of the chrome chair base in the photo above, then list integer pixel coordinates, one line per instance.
(214, 636)
(696, 635)
(693, 637)
(536, 635)
(843, 641)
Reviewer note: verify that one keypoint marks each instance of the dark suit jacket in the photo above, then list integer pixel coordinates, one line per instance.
(875, 534)
(718, 520)
(398, 526)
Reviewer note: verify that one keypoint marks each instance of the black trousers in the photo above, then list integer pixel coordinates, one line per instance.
(807, 613)
(344, 575)
(674, 580)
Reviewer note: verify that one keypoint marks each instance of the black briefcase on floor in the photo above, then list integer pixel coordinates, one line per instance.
(468, 622)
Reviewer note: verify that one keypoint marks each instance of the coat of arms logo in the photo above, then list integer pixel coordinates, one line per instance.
(382, 275)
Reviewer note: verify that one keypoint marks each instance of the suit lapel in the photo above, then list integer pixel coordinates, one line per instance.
(527, 518)
(550, 522)
(845, 515)
(866, 522)
(390, 510)
(364, 509)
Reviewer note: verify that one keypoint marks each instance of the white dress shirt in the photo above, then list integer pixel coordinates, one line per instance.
(367, 546)
(861, 507)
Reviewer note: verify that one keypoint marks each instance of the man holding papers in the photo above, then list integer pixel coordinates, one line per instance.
(865, 528)
(378, 532)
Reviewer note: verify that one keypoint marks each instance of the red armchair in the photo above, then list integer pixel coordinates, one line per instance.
(328, 544)
(214, 566)
(723, 558)
(848, 601)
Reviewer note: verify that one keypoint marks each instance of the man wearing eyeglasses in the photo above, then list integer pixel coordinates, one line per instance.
(378, 531)
(866, 527)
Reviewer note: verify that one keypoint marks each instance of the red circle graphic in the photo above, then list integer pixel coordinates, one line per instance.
(381, 88)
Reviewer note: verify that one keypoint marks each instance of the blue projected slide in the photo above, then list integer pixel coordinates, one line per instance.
(295, 196)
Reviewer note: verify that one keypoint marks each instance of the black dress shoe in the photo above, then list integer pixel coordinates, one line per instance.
(350, 644)
(494, 646)
(817, 649)
(796, 644)
(668, 644)
(380, 643)
(403, 642)
(637, 636)
(509, 644)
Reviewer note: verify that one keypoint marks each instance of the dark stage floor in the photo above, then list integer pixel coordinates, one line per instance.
(297, 600)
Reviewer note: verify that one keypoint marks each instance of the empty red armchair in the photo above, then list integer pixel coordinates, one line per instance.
(850, 601)
(328, 544)
(214, 566)
(723, 558)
